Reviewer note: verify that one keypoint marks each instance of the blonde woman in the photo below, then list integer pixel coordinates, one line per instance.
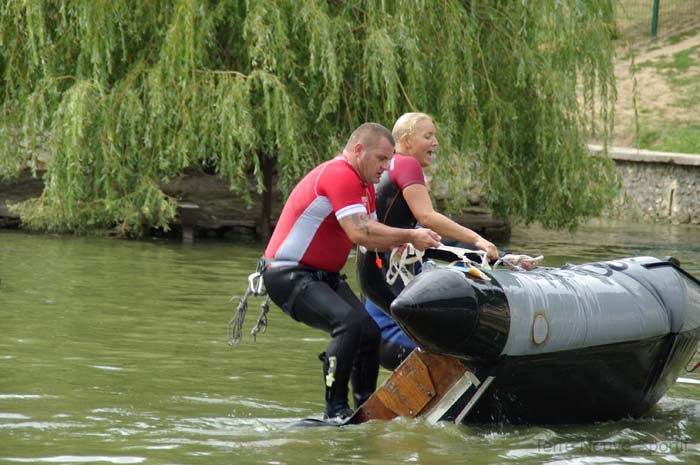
(403, 201)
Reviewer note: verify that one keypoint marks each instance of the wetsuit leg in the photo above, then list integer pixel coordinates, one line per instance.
(365, 368)
(336, 311)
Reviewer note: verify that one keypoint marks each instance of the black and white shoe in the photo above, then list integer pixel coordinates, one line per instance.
(340, 416)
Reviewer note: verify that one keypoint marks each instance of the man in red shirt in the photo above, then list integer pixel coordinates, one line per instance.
(331, 208)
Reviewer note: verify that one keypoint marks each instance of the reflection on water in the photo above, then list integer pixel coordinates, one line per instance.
(607, 240)
(115, 352)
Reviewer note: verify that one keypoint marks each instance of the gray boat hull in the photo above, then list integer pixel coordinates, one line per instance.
(598, 341)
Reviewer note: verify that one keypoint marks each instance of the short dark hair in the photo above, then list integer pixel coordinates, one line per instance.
(369, 134)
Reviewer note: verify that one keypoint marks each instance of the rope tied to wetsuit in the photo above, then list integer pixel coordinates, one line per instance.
(255, 288)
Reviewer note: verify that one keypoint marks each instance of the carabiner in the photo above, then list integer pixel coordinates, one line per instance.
(255, 283)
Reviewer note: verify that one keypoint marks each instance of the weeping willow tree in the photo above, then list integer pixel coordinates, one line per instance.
(118, 96)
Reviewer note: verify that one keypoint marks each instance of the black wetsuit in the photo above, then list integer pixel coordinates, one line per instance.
(392, 210)
(306, 252)
(325, 301)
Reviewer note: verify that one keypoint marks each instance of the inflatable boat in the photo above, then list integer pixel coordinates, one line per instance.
(579, 343)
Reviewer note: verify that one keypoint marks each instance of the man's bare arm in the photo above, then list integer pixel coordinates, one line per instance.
(363, 230)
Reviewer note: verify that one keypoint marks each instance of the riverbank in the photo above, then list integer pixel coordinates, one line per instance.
(656, 187)
(208, 209)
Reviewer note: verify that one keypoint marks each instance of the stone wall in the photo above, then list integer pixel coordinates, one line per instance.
(657, 187)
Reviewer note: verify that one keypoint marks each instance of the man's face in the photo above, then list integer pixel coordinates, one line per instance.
(373, 160)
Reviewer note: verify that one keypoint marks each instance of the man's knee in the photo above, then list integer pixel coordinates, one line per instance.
(391, 354)
(358, 324)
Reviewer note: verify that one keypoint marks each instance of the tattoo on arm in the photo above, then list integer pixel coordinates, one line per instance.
(361, 221)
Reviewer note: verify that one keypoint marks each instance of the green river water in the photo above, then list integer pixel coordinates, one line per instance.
(115, 351)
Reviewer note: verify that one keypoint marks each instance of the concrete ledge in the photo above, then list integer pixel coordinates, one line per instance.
(647, 156)
(655, 186)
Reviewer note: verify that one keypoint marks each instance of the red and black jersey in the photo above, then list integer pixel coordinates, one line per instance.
(308, 232)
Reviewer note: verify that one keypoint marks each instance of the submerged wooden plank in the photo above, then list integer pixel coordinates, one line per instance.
(409, 388)
(413, 388)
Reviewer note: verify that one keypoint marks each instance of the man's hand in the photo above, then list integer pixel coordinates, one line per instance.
(425, 238)
(488, 247)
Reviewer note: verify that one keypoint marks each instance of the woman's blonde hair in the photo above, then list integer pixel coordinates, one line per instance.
(406, 124)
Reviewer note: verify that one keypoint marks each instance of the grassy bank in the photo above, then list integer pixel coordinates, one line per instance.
(665, 84)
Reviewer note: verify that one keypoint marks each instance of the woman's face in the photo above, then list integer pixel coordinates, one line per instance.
(423, 143)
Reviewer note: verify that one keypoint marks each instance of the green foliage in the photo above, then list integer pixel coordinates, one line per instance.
(671, 137)
(677, 131)
(121, 95)
(678, 64)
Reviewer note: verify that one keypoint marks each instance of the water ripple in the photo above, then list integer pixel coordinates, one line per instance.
(13, 416)
(107, 367)
(41, 425)
(78, 459)
(243, 402)
(599, 459)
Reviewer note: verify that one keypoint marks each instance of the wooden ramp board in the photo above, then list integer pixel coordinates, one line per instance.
(424, 385)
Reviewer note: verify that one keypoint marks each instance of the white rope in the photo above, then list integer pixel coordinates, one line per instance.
(463, 254)
(398, 263)
(519, 262)
(516, 262)
(402, 258)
